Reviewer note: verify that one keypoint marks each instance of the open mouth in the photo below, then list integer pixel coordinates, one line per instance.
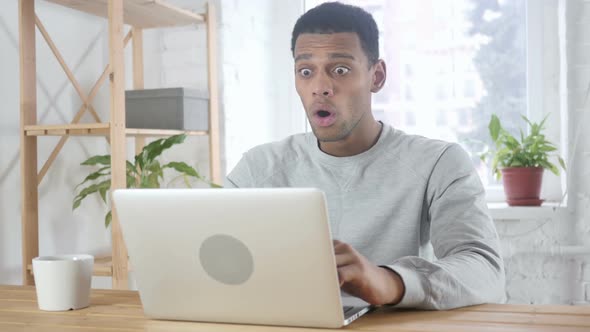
(324, 118)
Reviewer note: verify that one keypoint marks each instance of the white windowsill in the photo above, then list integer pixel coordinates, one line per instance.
(503, 212)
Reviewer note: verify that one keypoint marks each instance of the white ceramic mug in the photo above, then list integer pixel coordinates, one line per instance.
(63, 281)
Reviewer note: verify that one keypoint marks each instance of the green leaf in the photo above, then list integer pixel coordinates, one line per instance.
(187, 183)
(553, 169)
(131, 169)
(130, 181)
(562, 163)
(187, 171)
(154, 167)
(77, 203)
(527, 120)
(97, 160)
(95, 187)
(535, 128)
(139, 160)
(509, 140)
(154, 149)
(483, 157)
(534, 148)
(184, 168)
(547, 148)
(103, 194)
(494, 127)
(152, 181)
(495, 163)
(547, 165)
(143, 182)
(107, 219)
(89, 190)
(94, 176)
(542, 124)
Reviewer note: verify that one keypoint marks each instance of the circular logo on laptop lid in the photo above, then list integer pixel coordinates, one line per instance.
(226, 259)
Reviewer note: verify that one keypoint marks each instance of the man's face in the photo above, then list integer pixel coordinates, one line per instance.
(334, 81)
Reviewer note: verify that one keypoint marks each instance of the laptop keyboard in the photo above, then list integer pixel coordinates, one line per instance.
(347, 309)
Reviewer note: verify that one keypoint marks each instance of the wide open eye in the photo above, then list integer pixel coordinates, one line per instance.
(305, 72)
(340, 70)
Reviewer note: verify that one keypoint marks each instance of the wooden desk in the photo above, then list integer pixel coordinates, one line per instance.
(121, 311)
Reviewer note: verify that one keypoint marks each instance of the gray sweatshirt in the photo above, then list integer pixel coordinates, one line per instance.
(409, 203)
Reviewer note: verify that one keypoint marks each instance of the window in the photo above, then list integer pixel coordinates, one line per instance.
(410, 119)
(472, 60)
(408, 70)
(408, 92)
(441, 91)
(441, 118)
(469, 88)
(464, 118)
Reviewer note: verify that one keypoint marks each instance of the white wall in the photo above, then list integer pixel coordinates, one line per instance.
(259, 89)
(544, 256)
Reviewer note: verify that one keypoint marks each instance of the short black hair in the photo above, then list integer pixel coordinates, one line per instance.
(334, 17)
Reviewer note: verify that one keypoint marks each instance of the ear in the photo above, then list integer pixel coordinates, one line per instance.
(379, 75)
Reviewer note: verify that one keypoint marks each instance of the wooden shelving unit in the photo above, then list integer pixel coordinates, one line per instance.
(139, 14)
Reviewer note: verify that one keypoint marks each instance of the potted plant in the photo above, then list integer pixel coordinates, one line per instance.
(145, 172)
(521, 163)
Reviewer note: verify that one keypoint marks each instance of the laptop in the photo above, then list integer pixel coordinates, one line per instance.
(248, 256)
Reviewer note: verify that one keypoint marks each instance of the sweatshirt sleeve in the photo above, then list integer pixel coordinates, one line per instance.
(469, 268)
(240, 176)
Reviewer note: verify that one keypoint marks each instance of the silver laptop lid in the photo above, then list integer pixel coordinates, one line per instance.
(259, 256)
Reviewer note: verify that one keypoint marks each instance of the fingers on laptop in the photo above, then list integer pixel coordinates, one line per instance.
(348, 262)
(347, 273)
(342, 247)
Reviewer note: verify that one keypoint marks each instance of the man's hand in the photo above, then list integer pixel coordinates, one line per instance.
(361, 278)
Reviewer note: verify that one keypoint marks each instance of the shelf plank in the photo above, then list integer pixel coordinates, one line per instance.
(162, 132)
(101, 129)
(79, 129)
(102, 268)
(138, 13)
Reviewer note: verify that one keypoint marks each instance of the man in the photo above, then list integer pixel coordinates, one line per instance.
(392, 197)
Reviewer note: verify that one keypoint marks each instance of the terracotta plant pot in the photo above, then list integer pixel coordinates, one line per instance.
(522, 185)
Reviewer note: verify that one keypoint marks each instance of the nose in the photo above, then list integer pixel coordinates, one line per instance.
(323, 86)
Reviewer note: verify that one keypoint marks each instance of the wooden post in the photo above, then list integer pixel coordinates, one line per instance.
(138, 81)
(28, 147)
(117, 133)
(137, 44)
(214, 145)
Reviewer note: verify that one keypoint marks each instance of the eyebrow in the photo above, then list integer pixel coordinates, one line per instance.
(307, 56)
(341, 55)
